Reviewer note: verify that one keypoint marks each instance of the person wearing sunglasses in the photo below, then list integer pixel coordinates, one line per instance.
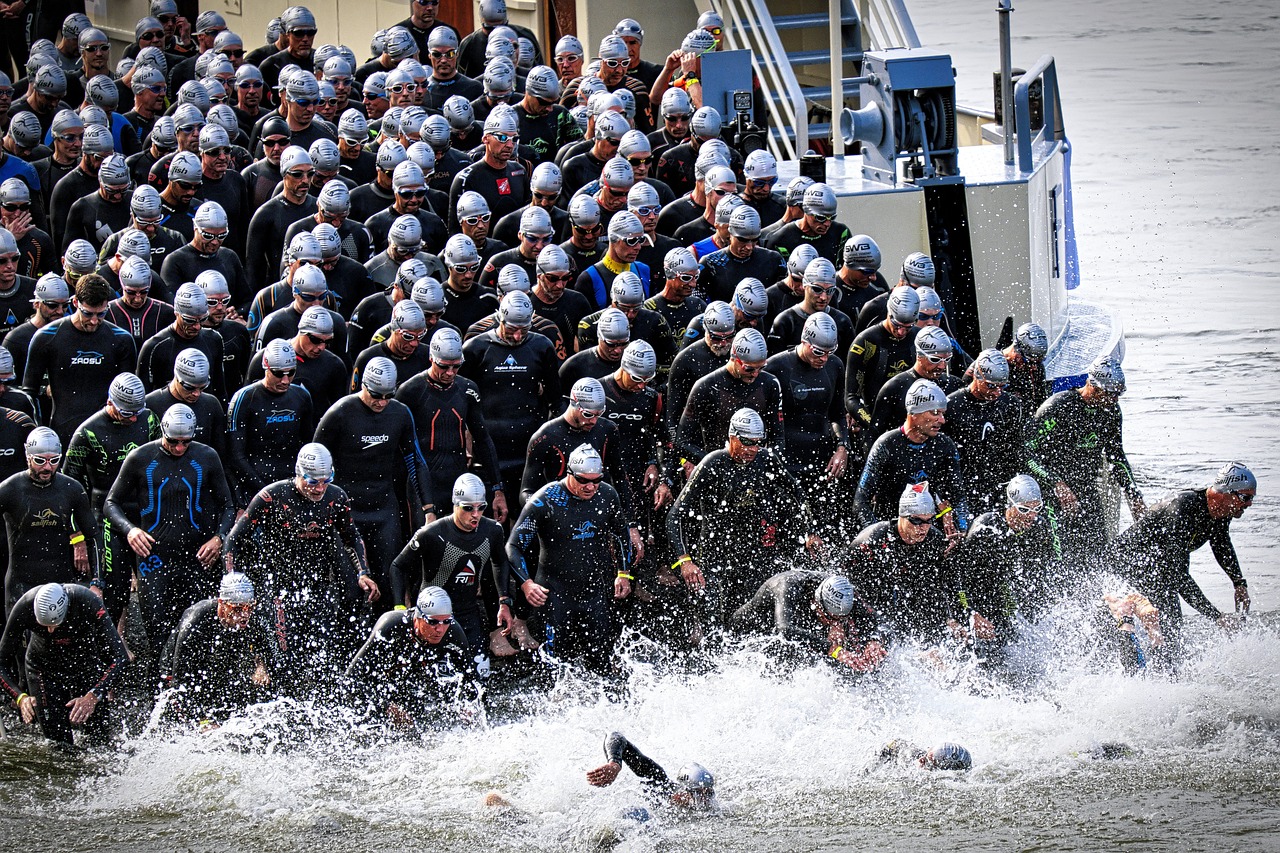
(878, 354)
(223, 185)
(1026, 365)
(446, 80)
(818, 290)
(414, 670)
(299, 26)
(626, 295)
(409, 189)
(741, 383)
(898, 565)
(717, 185)
(16, 291)
(207, 251)
(159, 353)
(626, 236)
(818, 226)
(423, 22)
(733, 556)
(95, 217)
(498, 175)
(309, 289)
(934, 354)
(178, 198)
(493, 14)
(585, 168)
(49, 304)
(706, 345)
(812, 379)
(676, 303)
(917, 271)
(1072, 438)
(1009, 564)
(188, 386)
(321, 372)
(535, 233)
(298, 543)
(374, 444)
(207, 27)
(584, 560)
(149, 89)
(272, 220)
(77, 357)
(223, 656)
(68, 545)
(915, 452)
(268, 421)
(172, 506)
(73, 654)
(614, 59)
(89, 145)
(406, 345)
(1155, 553)
(987, 425)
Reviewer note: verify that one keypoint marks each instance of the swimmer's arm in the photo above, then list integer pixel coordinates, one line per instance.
(619, 750)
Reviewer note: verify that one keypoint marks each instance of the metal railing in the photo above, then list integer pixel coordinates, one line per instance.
(1045, 70)
(749, 25)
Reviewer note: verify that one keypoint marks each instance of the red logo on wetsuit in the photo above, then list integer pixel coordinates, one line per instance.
(768, 535)
(504, 186)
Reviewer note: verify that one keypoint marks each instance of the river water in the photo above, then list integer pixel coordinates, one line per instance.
(1172, 112)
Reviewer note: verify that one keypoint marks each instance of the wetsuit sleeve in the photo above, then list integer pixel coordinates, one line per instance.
(1191, 592)
(247, 479)
(682, 520)
(1041, 443)
(855, 393)
(500, 565)
(14, 639)
(82, 521)
(1225, 553)
(242, 532)
(523, 535)
(1119, 460)
(350, 535)
(762, 607)
(773, 421)
(688, 437)
(618, 749)
(618, 476)
(539, 460)
(869, 485)
(121, 503)
(39, 355)
(75, 463)
(108, 634)
(222, 495)
(551, 383)
(406, 569)
(482, 446)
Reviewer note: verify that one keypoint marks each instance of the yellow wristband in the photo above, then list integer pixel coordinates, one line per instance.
(19, 699)
(401, 607)
(626, 576)
(77, 539)
(835, 653)
(680, 562)
(689, 80)
(944, 512)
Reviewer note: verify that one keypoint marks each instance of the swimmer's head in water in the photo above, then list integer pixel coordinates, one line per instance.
(950, 756)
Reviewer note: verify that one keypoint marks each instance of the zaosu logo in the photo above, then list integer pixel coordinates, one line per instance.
(82, 357)
(282, 416)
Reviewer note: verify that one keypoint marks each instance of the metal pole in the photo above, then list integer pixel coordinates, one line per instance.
(1006, 80)
(836, 33)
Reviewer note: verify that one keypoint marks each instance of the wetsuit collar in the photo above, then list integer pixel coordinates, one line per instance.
(613, 266)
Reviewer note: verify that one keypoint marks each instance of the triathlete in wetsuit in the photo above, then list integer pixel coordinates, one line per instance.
(447, 411)
(878, 354)
(53, 536)
(188, 386)
(1155, 552)
(414, 667)
(817, 227)
(299, 544)
(1073, 437)
(157, 357)
(915, 452)
(455, 553)
(171, 505)
(812, 380)
(79, 356)
(987, 425)
(819, 611)
(898, 567)
(136, 311)
(1026, 365)
(222, 655)
(934, 353)
(237, 344)
(700, 357)
(267, 423)
(584, 559)
(375, 453)
(74, 655)
(694, 787)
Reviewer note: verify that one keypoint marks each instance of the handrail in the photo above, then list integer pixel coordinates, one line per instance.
(1045, 70)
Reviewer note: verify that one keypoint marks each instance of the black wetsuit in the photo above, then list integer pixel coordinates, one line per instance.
(910, 586)
(237, 351)
(210, 666)
(679, 212)
(141, 323)
(94, 219)
(40, 521)
(444, 416)
(851, 300)
(79, 367)
(488, 277)
(1155, 554)
(284, 321)
(678, 316)
(94, 457)
(784, 605)
(440, 554)
(376, 460)
(69, 189)
(1073, 442)
(16, 304)
(787, 328)
(185, 264)
(548, 457)
(394, 667)
(829, 245)
(657, 785)
(325, 377)
(466, 308)
(896, 462)
(741, 523)
(265, 431)
(722, 271)
(647, 326)
(265, 245)
(84, 654)
(1027, 381)
(874, 358)
(211, 416)
(990, 439)
(812, 410)
(890, 408)
(1002, 571)
(690, 364)
(303, 557)
(271, 299)
(583, 544)
(520, 389)
(566, 312)
(407, 366)
(507, 229)
(183, 502)
(160, 352)
(704, 424)
(505, 189)
(434, 232)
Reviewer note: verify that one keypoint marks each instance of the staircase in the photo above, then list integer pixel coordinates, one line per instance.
(801, 59)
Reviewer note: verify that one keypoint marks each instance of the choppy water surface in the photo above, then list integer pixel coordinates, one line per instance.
(1173, 115)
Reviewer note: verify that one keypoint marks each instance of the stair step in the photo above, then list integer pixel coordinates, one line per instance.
(801, 22)
(822, 93)
(822, 57)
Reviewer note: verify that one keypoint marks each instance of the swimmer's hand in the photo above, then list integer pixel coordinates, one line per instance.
(603, 776)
